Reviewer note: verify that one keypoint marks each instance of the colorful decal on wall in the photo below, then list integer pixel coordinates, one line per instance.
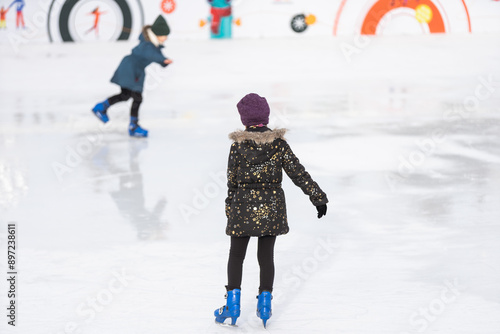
(19, 4)
(425, 12)
(168, 6)
(220, 19)
(468, 16)
(300, 22)
(428, 13)
(73, 20)
(3, 15)
(95, 27)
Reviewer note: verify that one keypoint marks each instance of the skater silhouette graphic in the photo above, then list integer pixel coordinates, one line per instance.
(97, 15)
(19, 12)
(3, 13)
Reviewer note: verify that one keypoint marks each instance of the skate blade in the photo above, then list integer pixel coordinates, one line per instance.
(98, 115)
(223, 324)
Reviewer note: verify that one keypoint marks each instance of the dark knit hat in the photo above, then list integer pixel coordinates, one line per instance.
(253, 110)
(160, 27)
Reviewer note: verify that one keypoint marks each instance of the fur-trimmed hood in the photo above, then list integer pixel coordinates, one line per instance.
(257, 137)
(255, 146)
(149, 36)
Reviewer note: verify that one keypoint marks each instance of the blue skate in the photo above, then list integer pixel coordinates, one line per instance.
(135, 130)
(100, 111)
(230, 310)
(264, 306)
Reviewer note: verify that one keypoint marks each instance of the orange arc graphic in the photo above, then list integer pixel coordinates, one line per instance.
(382, 7)
(337, 17)
(468, 16)
(341, 8)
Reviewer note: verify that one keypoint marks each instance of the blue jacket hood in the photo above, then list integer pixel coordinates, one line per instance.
(143, 37)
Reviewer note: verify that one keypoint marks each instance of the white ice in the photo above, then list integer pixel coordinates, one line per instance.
(124, 235)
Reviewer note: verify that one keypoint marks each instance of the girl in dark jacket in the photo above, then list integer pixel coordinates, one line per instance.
(131, 73)
(255, 205)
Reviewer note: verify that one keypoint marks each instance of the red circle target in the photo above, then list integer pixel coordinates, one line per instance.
(168, 6)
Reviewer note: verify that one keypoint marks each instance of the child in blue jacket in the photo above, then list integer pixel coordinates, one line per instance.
(130, 73)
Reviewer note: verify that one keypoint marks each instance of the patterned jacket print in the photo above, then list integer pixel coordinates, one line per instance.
(255, 205)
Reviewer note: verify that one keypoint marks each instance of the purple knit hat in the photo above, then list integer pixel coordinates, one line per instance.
(253, 110)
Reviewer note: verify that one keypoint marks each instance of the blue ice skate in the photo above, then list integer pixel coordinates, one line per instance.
(100, 111)
(230, 310)
(135, 130)
(264, 306)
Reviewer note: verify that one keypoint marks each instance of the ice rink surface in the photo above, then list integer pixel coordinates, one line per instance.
(125, 235)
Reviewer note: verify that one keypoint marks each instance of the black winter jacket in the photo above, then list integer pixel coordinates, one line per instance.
(255, 205)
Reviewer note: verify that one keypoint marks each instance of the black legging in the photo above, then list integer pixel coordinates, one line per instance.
(124, 96)
(265, 255)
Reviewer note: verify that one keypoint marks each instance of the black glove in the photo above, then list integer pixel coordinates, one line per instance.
(321, 210)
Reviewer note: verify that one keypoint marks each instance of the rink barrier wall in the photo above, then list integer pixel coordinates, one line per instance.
(112, 20)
